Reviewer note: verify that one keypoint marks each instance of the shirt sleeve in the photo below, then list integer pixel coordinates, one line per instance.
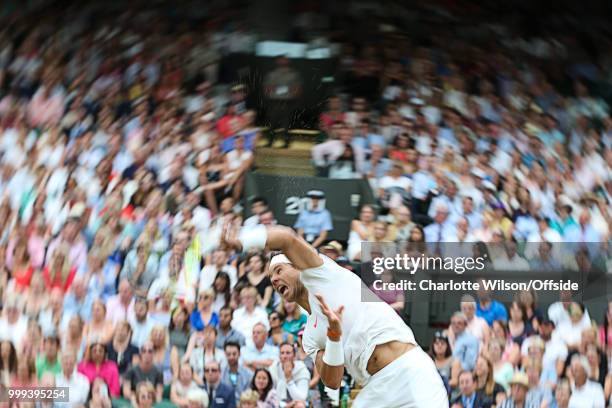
(300, 221)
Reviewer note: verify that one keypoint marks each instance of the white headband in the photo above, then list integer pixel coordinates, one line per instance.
(278, 259)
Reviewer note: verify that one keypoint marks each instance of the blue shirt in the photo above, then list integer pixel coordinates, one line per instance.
(250, 353)
(422, 183)
(314, 222)
(440, 233)
(466, 350)
(83, 308)
(249, 140)
(197, 323)
(525, 226)
(468, 402)
(495, 311)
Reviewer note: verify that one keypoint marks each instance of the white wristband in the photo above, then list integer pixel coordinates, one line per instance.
(253, 237)
(334, 353)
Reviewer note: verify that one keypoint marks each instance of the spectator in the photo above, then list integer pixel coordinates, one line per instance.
(258, 206)
(570, 332)
(204, 316)
(249, 399)
(201, 348)
(518, 325)
(182, 386)
(277, 335)
(144, 396)
(488, 308)
(99, 328)
(96, 364)
(220, 393)
(140, 267)
(340, 158)
(179, 330)
(262, 383)
(442, 229)
(585, 392)
(142, 323)
(144, 371)
(555, 352)
(502, 370)
(121, 306)
(49, 361)
(13, 325)
(79, 300)
(362, 229)
(219, 263)
(465, 348)
(234, 373)
(314, 223)
(259, 354)
(256, 276)
(470, 397)
(518, 395)
(162, 353)
(197, 399)
(222, 288)
(8, 362)
(99, 395)
(537, 395)
(75, 381)
(120, 349)
(402, 224)
(294, 320)
(440, 352)
(563, 392)
(290, 376)
(249, 314)
(26, 373)
(226, 333)
(559, 313)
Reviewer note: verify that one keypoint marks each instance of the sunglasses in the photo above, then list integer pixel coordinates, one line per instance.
(273, 317)
(211, 370)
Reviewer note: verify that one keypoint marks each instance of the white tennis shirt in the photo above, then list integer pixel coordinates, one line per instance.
(364, 324)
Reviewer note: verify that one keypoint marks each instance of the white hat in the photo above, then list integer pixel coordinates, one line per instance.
(279, 259)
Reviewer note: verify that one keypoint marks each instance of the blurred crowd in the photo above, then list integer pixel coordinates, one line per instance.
(123, 156)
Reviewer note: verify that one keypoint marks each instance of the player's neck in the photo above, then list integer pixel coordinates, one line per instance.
(302, 300)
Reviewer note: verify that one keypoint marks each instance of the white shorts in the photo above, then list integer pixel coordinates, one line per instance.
(411, 381)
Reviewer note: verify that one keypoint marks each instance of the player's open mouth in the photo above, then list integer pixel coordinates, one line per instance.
(282, 289)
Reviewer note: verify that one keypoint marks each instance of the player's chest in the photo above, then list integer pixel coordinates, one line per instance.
(316, 327)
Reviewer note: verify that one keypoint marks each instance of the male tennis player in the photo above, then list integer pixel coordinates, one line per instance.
(368, 338)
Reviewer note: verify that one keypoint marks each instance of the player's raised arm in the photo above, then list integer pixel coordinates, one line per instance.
(275, 238)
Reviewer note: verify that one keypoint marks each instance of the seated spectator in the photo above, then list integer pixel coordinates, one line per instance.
(226, 333)
(402, 224)
(221, 393)
(262, 383)
(8, 362)
(588, 340)
(234, 373)
(585, 392)
(485, 383)
(518, 395)
(314, 223)
(20, 263)
(201, 349)
(489, 309)
(537, 395)
(605, 330)
(197, 399)
(238, 160)
(440, 352)
(442, 229)
(594, 357)
(141, 323)
(52, 317)
(99, 328)
(32, 345)
(249, 399)
(257, 277)
(340, 158)
(277, 335)
(76, 382)
(502, 370)
(140, 267)
(528, 300)
(144, 396)
(570, 332)
(96, 364)
(121, 306)
(258, 353)
(204, 315)
(511, 351)
(179, 330)
(218, 263)
(466, 346)
(222, 289)
(143, 371)
(120, 349)
(295, 319)
(99, 395)
(79, 300)
(518, 325)
(13, 325)
(182, 386)
(25, 375)
(161, 352)
(559, 312)
(48, 361)
(36, 297)
(563, 392)
(477, 326)
(59, 272)
(249, 313)
(290, 376)
(393, 188)
(470, 396)
(362, 229)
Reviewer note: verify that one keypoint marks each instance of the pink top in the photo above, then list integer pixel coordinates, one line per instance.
(108, 371)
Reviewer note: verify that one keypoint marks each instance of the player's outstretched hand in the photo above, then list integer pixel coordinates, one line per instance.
(333, 317)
